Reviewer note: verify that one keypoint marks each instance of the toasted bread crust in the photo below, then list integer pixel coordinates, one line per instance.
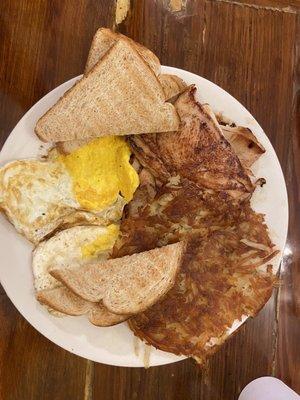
(149, 276)
(104, 39)
(139, 106)
(65, 301)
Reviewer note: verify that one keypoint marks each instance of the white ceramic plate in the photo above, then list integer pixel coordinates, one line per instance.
(115, 345)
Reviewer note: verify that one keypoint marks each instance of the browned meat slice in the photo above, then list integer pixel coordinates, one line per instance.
(244, 143)
(198, 152)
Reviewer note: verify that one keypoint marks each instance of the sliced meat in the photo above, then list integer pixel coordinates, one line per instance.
(198, 152)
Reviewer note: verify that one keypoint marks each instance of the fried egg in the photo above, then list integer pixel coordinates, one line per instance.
(71, 248)
(91, 184)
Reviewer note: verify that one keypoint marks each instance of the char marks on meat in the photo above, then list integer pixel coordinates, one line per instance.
(198, 151)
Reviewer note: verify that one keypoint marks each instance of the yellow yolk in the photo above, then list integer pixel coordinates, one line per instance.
(102, 243)
(100, 170)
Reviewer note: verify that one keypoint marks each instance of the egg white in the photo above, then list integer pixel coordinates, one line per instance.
(37, 197)
(64, 250)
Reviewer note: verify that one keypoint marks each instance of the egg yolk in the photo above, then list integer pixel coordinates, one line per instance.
(101, 243)
(100, 170)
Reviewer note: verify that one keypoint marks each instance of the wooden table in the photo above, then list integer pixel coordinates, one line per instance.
(248, 47)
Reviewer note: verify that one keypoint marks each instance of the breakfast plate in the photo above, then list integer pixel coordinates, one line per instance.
(116, 345)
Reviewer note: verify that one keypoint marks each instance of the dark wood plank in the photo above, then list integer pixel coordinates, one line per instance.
(33, 368)
(2, 291)
(43, 44)
(275, 5)
(287, 367)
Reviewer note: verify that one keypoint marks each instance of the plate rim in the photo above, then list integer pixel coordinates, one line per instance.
(61, 342)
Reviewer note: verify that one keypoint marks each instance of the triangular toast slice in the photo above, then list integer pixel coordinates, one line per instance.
(120, 96)
(126, 285)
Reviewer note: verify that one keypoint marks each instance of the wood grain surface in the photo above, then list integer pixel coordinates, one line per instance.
(251, 49)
